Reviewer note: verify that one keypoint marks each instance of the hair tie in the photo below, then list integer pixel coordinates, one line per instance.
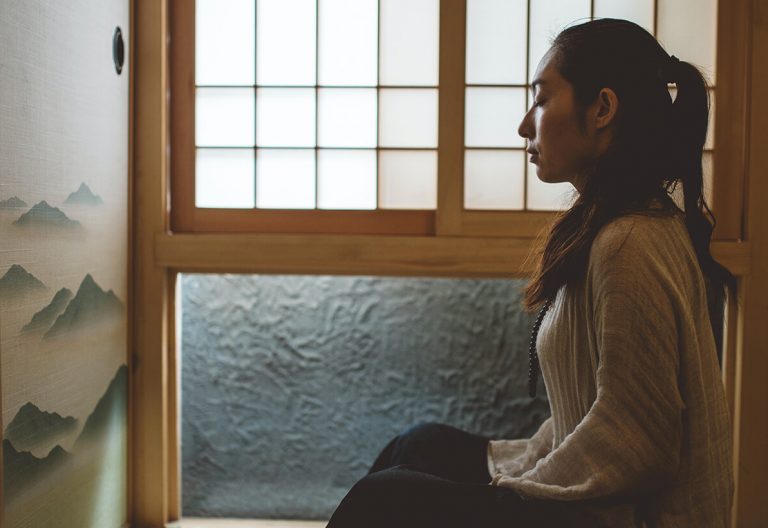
(669, 72)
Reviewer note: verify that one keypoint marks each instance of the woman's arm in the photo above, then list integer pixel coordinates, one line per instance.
(515, 457)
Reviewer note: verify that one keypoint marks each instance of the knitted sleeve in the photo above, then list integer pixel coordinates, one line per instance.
(515, 457)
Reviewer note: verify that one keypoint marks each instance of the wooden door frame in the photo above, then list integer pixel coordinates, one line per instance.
(751, 367)
(157, 256)
(154, 447)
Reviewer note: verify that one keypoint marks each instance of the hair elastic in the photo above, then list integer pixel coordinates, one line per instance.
(669, 73)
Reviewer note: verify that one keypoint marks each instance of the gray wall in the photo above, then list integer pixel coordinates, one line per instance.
(291, 385)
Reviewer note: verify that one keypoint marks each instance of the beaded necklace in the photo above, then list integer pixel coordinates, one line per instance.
(533, 358)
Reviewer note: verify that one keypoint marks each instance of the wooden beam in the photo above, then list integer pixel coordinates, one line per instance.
(173, 315)
(751, 405)
(733, 255)
(361, 255)
(730, 162)
(368, 222)
(149, 366)
(450, 156)
(182, 114)
(344, 255)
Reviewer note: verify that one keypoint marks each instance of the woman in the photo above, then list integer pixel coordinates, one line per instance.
(639, 433)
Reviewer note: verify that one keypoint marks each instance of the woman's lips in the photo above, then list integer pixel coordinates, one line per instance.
(534, 158)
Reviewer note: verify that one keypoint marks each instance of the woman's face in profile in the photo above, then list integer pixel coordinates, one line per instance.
(560, 142)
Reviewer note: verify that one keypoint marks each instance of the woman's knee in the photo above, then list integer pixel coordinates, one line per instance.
(425, 430)
(439, 449)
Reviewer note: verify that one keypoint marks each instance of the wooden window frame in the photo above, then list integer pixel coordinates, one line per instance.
(449, 218)
(489, 244)
(185, 217)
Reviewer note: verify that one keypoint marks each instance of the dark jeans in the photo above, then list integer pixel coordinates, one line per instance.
(434, 475)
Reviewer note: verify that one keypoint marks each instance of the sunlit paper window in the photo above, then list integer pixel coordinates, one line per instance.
(285, 117)
(224, 178)
(347, 44)
(638, 11)
(286, 179)
(347, 117)
(224, 117)
(493, 115)
(224, 50)
(286, 42)
(547, 18)
(505, 41)
(688, 29)
(346, 179)
(494, 28)
(409, 42)
(493, 179)
(333, 102)
(408, 118)
(408, 179)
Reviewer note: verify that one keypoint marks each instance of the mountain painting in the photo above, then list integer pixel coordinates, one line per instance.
(14, 202)
(65, 441)
(63, 265)
(90, 305)
(43, 319)
(32, 429)
(46, 216)
(39, 485)
(18, 282)
(83, 196)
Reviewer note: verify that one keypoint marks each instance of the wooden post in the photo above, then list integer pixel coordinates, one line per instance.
(151, 389)
(751, 404)
(450, 155)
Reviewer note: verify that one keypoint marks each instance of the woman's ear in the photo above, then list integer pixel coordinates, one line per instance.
(607, 106)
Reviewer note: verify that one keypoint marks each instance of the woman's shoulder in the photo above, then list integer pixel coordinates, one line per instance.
(641, 233)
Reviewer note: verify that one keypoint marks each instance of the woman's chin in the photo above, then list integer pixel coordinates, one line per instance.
(546, 177)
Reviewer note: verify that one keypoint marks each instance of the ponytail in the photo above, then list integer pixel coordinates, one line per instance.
(690, 116)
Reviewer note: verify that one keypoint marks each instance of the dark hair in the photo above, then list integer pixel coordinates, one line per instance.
(657, 143)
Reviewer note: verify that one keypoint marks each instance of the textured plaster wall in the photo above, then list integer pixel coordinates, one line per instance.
(291, 385)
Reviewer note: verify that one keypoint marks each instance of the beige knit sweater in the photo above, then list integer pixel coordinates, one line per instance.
(638, 408)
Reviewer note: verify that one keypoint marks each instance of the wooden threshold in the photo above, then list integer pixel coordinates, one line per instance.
(243, 523)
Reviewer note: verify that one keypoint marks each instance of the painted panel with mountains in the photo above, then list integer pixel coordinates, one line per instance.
(43, 215)
(65, 313)
(101, 442)
(64, 163)
(41, 485)
(64, 443)
(54, 465)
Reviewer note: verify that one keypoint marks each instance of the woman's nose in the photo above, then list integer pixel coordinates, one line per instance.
(524, 128)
